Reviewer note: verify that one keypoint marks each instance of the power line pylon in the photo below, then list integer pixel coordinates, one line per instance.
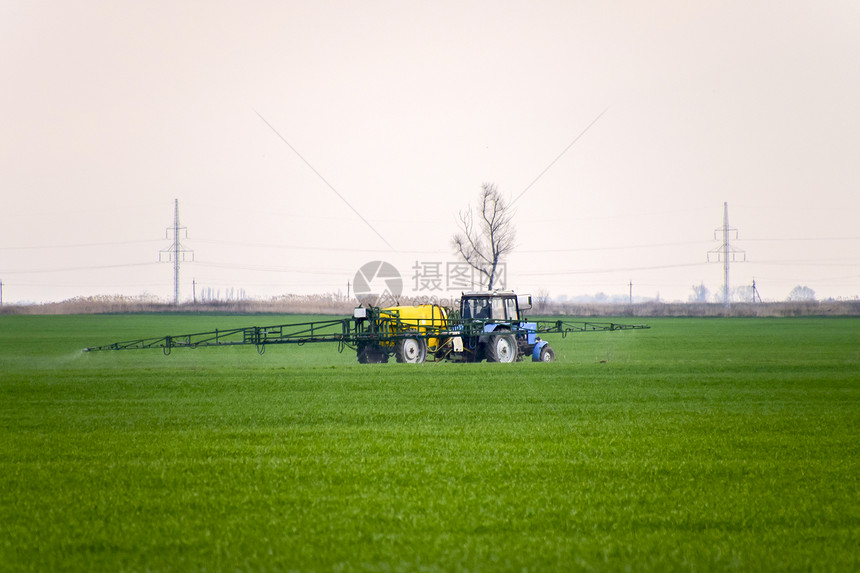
(726, 253)
(175, 252)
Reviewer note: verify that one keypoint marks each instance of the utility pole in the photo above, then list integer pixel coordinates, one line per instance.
(725, 253)
(175, 252)
(755, 293)
(1, 293)
(631, 292)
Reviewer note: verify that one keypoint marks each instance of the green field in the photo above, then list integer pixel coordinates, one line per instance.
(697, 445)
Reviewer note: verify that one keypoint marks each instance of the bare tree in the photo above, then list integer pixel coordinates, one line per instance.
(542, 300)
(486, 234)
(700, 293)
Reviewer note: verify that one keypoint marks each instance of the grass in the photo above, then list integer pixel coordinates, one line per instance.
(697, 445)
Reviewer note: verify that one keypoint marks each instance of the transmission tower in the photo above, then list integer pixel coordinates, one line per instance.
(175, 252)
(726, 253)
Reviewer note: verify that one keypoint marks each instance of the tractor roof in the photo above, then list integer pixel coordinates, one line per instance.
(489, 293)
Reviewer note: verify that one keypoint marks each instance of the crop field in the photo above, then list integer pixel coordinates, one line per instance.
(696, 445)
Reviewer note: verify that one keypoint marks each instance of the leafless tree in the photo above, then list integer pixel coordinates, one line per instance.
(486, 234)
(700, 293)
(542, 300)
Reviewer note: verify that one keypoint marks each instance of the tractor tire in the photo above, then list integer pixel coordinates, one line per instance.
(371, 354)
(547, 354)
(502, 348)
(411, 350)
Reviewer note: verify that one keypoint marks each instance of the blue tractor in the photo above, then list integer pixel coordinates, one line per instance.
(495, 329)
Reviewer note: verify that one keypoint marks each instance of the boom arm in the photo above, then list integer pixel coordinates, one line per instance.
(339, 330)
(565, 326)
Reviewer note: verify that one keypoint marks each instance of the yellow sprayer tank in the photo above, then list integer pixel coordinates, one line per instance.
(422, 318)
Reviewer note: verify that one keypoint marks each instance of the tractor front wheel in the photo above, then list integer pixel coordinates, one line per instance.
(502, 348)
(411, 350)
(547, 354)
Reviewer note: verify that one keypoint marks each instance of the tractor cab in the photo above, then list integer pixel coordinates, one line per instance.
(495, 328)
(496, 305)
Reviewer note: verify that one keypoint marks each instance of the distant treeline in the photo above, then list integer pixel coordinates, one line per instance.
(339, 305)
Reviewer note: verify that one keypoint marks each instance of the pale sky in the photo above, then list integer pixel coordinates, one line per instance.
(111, 110)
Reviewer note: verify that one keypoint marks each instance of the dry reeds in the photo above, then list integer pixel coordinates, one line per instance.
(338, 305)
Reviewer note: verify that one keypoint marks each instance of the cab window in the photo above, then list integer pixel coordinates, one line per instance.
(498, 309)
(511, 305)
(476, 308)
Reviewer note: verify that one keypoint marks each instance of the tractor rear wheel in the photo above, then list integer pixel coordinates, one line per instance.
(502, 348)
(411, 350)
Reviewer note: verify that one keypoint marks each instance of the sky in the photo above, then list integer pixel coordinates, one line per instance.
(305, 139)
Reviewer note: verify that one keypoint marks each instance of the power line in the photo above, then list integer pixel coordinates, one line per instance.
(77, 245)
(622, 248)
(88, 268)
(308, 247)
(604, 271)
(265, 268)
(88, 284)
(324, 180)
(559, 156)
(786, 239)
(638, 214)
(819, 263)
